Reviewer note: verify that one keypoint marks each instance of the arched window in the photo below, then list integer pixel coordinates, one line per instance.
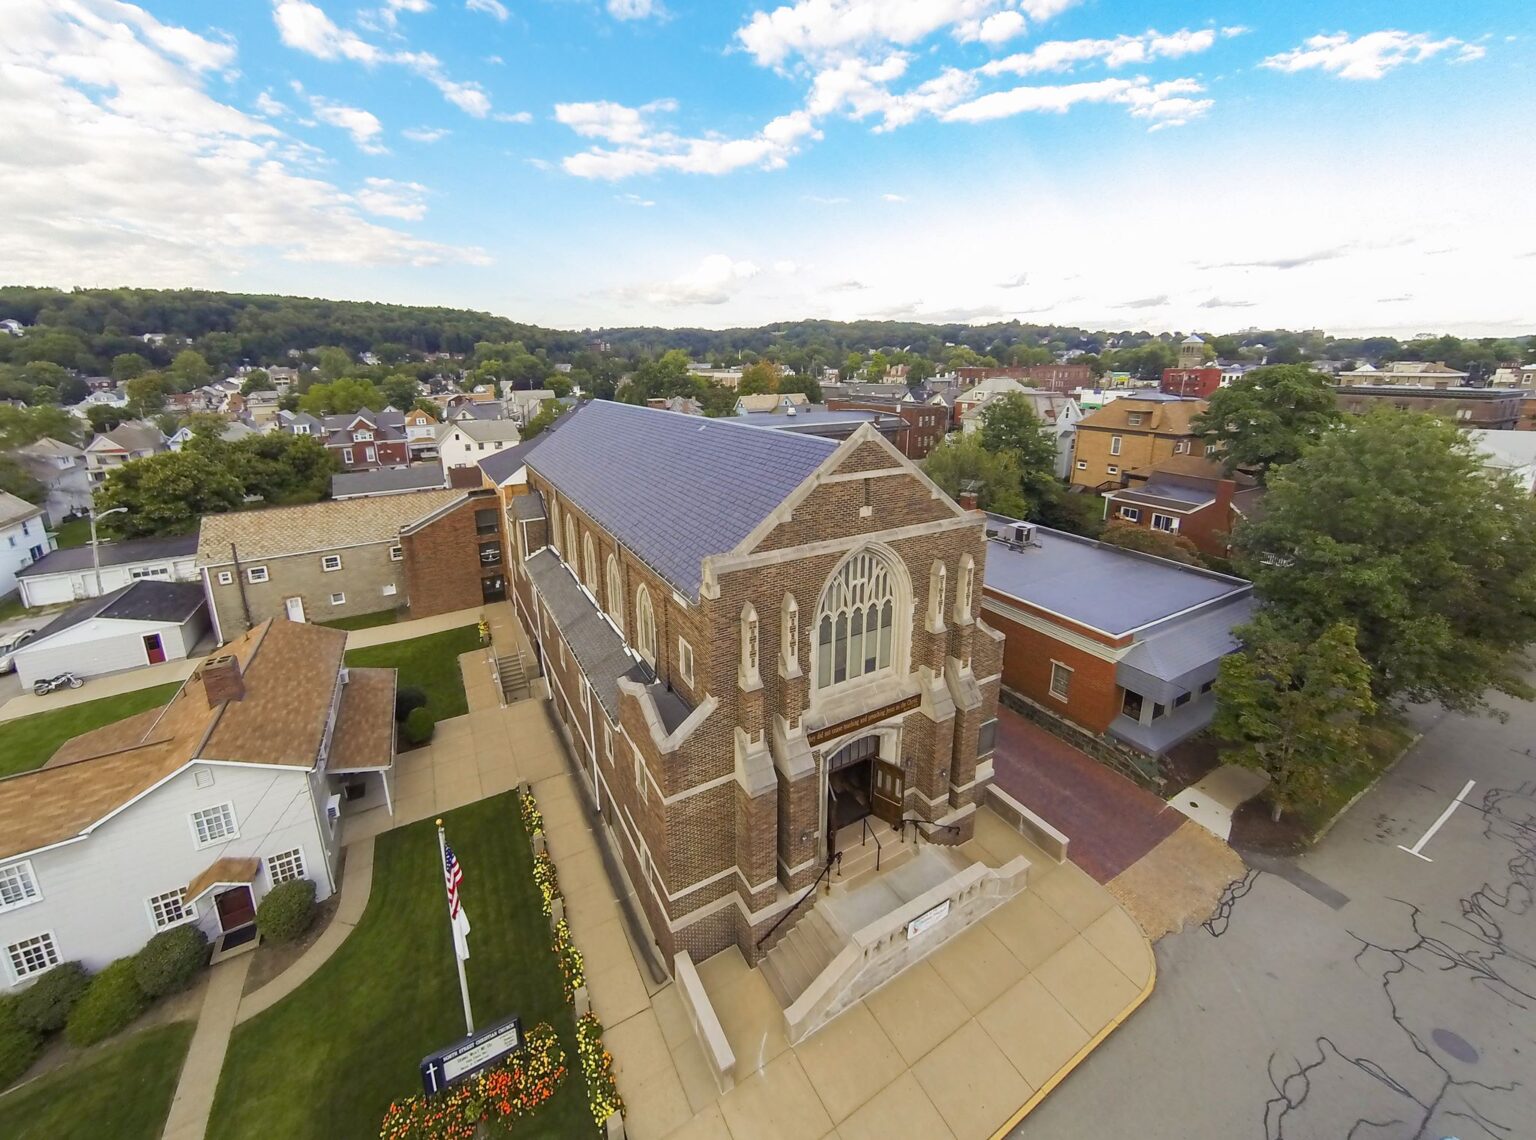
(749, 643)
(965, 596)
(790, 646)
(615, 593)
(856, 622)
(937, 583)
(589, 564)
(570, 542)
(645, 625)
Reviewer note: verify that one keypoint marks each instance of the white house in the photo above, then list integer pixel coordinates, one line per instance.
(69, 576)
(1058, 417)
(192, 813)
(1509, 453)
(232, 432)
(60, 468)
(524, 404)
(23, 538)
(142, 624)
(461, 443)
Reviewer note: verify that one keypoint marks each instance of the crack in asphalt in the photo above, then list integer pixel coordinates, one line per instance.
(1480, 954)
(1221, 917)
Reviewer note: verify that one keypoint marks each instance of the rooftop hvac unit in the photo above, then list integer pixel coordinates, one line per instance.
(1021, 534)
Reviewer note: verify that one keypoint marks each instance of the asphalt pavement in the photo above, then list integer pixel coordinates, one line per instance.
(1362, 991)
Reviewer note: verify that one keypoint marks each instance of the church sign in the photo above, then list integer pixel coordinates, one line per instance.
(863, 720)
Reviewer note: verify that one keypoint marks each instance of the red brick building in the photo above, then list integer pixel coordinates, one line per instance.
(1199, 383)
(1186, 495)
(753, 639)
(1060, 378)
(926, 424)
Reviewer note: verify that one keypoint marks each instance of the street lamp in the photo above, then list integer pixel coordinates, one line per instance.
(95, 553)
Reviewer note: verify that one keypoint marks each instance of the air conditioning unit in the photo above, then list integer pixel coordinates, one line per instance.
(1021, 534)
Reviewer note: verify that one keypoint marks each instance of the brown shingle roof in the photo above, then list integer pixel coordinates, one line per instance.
(225, 870)
(1164, 417)
(290, 672)
(365, 723)
(314, 526)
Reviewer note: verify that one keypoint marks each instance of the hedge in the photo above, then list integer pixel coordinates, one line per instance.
(45, 1005)
(408, 700)
(111, 1001)
(19, 1046)
(170, 960)
(419, 726)
(287, 910)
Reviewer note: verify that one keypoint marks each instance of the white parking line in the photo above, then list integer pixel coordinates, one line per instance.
(1418, 847)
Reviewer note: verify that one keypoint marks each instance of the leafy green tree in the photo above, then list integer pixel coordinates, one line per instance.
(806, 385)
(146, 395)
(21, 426)
(282, 468)
(1292, 706)
(1010, 424)
(167, 493)
(15, 480)
(56, 346)
(127, 365)
(1174, 547)
(1393, 524)
(103, 418)
(399, 390)
(348, 394)
(334, 362)
(853, 364)
(1267, 417)
(960, 463)
(189, 370)
(549, 412)
(256, 380)
(758, 379)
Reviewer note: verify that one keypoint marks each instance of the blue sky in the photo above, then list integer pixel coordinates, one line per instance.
(605, 162)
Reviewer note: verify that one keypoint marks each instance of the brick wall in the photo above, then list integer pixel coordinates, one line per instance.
(1093, 697)
(443, 568)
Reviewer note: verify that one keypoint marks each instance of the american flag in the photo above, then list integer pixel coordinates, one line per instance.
(453, 876)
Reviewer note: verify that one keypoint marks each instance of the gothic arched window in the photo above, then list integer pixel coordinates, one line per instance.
(645, 625)
(589, 564)
(856, 621)
(615, 593)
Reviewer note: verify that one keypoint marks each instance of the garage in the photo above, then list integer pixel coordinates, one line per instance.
(143, 624)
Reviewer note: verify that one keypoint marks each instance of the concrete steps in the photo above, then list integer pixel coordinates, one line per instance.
(513, 677)
(801, 955)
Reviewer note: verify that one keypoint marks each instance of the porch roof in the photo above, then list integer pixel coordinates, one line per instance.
(364, 739)
(226, 872)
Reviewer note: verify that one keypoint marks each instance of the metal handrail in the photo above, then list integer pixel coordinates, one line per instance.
(833, 860)
(870, 834)
(920, 823)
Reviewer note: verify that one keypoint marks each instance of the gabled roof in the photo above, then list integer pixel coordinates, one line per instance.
(130, 437)
(388, 480)
(50, 447)
(481, 431)
(674, 489)
(1165, 414)
(14, 509)
(502, 465)
(277, 531)
(144, 600)
(127, 553)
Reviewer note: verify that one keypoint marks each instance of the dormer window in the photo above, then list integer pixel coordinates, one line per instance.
(362, 435)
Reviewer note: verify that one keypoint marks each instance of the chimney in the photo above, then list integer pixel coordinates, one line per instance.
(967, 500)
(222, 680)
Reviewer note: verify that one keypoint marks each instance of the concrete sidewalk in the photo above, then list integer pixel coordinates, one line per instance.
(416, 627)
(193, 1103)
(109, 685)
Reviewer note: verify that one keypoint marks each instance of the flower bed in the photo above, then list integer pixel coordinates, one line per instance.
(549, 882)
(515, 1087)
(571, 966)
(597, 1066)
(533, 821)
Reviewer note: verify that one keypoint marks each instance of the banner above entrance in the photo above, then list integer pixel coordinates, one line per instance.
(863, 720)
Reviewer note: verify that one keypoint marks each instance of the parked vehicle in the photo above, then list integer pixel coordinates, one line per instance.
(45, 685)
(9, 647)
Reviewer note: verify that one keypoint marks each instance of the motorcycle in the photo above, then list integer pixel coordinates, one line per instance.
(45, 685)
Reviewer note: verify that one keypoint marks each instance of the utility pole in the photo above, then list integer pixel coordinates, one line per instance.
(96, 553)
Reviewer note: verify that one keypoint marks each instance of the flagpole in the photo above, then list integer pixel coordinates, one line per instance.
(442, 862)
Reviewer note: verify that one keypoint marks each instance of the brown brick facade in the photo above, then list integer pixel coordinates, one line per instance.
(455, 560)
(1093, 696)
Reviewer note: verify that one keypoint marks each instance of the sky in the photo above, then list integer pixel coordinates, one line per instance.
(1161, 165)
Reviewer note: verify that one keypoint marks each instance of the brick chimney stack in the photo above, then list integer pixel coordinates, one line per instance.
(967, 500)
(222, 680)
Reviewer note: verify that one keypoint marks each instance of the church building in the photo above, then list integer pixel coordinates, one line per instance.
(756, 640)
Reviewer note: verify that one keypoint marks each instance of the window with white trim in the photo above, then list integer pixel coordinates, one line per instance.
(1061, 680)
(1135, 419)
(1181, 447)
(338, 599)
(640, 780)
(645, 626)
(32, 955)
(213, 824)
(226, 578)
(346, 455)
(18, 886)
(1130, 514)
(390, 589)
(285, 865)
(1112, 469)
(1114, 444)
(361, 435)
(1082, 465)
(856, 622)
(330, 562)
(589, 564)
(256, 574)
(685, 660)
(170, 909)
(1165, 523)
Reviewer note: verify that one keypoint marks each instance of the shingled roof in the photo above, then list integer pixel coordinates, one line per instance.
(674, 489)
(277, 531)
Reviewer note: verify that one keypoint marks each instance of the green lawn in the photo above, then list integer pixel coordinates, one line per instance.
(363, 621)
(429, 663)
(123, 1093)
(27, 742)
(75, 532)
(327, 1060)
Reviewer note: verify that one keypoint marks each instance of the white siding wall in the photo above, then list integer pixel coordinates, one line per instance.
(51, 589)
(95, 891)
(16, 544)
(104, 645)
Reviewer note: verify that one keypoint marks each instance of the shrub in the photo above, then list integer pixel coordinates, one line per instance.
(19, 1045)
(110, 1002)
(43, 1007)
(419, 726)
(287, 910)
(170, 960)
(407, 701)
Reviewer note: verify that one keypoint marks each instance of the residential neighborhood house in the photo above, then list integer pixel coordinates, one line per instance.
(145, 623)
(1135, 431)
(60, 468)
(1187, 495)
(133, 440)
(69, 575)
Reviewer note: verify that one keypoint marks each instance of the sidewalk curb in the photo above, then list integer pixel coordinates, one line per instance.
(1322, 832)
(1079, 1057)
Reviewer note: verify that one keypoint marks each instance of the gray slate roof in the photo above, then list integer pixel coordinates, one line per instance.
(113, 554)
(528, 507)
(674, 489)
(1154, 494)
(1098, 585)
(144, 600)
(416, 477)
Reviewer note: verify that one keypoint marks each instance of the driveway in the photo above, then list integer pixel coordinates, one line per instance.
(1111, 821)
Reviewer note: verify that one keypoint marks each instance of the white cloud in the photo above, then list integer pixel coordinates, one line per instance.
(305, 27)
(634, 200)
(822, 200)
(1164, 104)
(490, 7)
(611, 122)
(1370, 56)
(513, 116)
(390, 199)
(425, 134)
(833, 28)
(894, 197)
(389, 15)
(1001, 27)
(1063, 55)
(363, 126)
(714, 281)
(640, 148)
(634, 9)
(92, 94)
(786, 268)
(270, 107)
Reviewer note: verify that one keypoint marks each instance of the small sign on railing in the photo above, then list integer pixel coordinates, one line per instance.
(928, 919)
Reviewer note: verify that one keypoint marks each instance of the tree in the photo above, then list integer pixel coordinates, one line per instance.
(189, 370)
(852, 365)
(21, 426)
(15, 480)
(256, 380)
(127, 365)
(961, 464)
(879, 365)
(806, 385)
(1392, 523)
(549, 412)
(282, 468)
(758, 379)
(334, 362)
(1268, 417)
(1174, 547)
(103, 418)
(146, 395)
(167, 493)
(1292, 707)
(349, 394)
(399, 390)
(1010, 424)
